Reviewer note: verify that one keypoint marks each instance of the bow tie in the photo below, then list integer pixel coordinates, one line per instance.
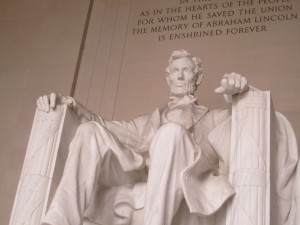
(180, 110)
(181, 101)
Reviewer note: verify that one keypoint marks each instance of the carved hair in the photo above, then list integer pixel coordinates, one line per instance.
(178, 54)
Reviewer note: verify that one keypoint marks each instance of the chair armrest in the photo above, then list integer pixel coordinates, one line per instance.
(44, 162)
(253, 143)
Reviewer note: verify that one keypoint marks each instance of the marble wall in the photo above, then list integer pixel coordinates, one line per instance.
(39, 48)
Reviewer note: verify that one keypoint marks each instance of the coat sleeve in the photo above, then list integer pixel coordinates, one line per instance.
(286, 174)
(127, 132)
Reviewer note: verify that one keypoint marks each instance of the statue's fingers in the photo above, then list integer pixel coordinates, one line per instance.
(236, 75)
(64, 100)
(220, 90)
(228, 84)
(52, 100)
(231, 75)
(237, 85)
(231, 83)
(69, 101)
(39, 104)
(46, 103)
(224, 83)
(225, 76)
(244, 84)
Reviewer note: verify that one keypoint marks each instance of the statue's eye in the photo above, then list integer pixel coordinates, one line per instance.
(174, 71)
(187, 70)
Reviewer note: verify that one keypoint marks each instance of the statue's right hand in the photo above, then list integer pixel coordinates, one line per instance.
(47, 102)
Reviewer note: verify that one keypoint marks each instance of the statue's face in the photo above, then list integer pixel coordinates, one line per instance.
(181, 78)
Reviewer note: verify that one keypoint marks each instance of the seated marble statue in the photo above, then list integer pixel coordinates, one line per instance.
(157, 169)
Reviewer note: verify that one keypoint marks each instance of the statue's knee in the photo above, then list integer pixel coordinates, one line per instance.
(169, 138)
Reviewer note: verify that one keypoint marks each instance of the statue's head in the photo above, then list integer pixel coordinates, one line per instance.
(184, 73)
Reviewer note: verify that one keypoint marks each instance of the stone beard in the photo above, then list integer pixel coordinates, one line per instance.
(187, 89)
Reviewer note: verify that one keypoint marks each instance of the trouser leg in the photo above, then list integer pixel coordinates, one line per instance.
(88, 153)
(171, 151)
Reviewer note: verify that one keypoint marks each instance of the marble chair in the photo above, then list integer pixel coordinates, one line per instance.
(252, 164)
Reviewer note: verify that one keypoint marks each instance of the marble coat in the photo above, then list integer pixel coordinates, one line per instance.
(205, 187)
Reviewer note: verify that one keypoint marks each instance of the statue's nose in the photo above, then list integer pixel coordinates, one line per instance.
(181, 75)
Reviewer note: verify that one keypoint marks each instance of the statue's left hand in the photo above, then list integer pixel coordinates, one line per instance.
(47, 102)
(232, 84)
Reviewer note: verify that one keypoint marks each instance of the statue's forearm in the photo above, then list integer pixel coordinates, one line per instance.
(83, 113)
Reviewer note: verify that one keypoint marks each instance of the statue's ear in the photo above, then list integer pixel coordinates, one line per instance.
(199, 80)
